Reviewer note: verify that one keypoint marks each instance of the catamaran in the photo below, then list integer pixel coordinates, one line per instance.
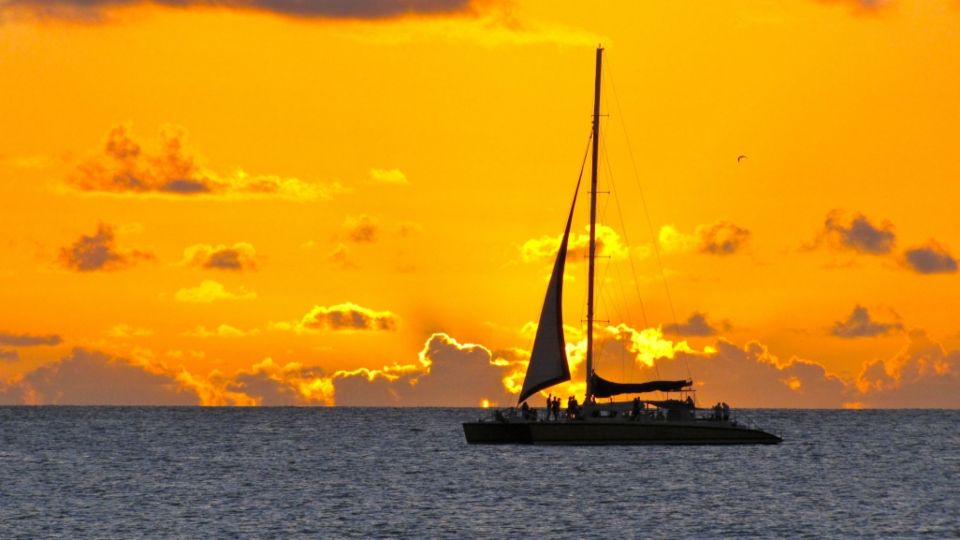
(637, 421)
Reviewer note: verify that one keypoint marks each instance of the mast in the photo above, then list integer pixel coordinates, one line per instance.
(593, 222)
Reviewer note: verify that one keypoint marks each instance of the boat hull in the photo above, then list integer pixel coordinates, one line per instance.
(613, 433)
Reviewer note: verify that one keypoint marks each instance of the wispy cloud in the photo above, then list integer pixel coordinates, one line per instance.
(362, 228)
(166, 168)
(856, 233)
(861, 324)
(697, 325)
(389, 176)
(718, 238)
(95, 252)
(211, 291)
(28, 340)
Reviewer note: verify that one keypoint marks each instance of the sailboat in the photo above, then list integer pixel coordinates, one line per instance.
(637, 421)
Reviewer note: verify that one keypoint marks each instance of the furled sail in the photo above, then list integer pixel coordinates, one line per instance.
(603, 388)
(548, 361)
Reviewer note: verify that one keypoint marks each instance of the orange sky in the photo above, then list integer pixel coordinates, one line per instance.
(256, 205)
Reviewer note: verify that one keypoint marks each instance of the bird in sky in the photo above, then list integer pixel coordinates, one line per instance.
(741, 157)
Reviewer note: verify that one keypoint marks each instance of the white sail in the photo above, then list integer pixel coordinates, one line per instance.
(548, 361)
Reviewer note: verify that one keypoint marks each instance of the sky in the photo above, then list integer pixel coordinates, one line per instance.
(271, 202)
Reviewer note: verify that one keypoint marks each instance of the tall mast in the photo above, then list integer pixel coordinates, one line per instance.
(593, 222)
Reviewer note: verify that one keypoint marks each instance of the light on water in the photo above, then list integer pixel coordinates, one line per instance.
(408, 473)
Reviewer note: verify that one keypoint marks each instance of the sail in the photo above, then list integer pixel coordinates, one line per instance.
(548, 361)
(603, 388)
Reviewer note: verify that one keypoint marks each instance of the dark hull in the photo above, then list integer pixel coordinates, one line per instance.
(613, 433)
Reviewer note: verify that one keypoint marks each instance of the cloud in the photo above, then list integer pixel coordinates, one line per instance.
(165, 168)
(346, 317)
(9, 355)
(320, 9)
(94, 378)
(859, 324)
(210, 291)
(238, 257)
(922, 374)
(721, 238)
(389, 176)
(99, 252)
(697, 325)
(718, 238)
(129, 331)
(860, 6)
(578, 246)
(362, 228)
(223, 330)
(931, 258)
(447, 373)
(28, 340)
(270, 384)
(341, 257)
(857, 234)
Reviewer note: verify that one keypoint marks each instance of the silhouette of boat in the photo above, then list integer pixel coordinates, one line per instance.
(639, 421)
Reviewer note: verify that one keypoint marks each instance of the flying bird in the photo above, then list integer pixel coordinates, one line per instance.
(741, 157)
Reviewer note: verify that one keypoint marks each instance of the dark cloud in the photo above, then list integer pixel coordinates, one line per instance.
(332, 9)
(697, 325)
(347, 316)
(721, 238)
(930, 259)
(362, 228)
(858, 234)
(99, 252)
(238, 257)
(27, 340)
(93, 378)
(166, 167)
(9, 355)
(860, 324)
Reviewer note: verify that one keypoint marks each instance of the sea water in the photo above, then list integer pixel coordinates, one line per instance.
(80, 472)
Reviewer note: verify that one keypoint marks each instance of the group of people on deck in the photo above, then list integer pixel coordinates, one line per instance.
(553, 407)
(721, 411)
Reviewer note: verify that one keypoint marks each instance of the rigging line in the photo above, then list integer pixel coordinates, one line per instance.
(646, 212)
(583, 164)
(626, 240)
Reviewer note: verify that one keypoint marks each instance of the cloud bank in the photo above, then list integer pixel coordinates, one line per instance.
(94, 378)
(329, 9)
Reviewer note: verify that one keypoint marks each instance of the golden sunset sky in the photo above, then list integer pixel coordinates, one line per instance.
(244, 202)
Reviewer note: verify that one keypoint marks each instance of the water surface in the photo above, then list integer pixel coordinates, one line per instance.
(407, 473)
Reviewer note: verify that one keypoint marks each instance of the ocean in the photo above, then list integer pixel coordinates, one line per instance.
(153, 472)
